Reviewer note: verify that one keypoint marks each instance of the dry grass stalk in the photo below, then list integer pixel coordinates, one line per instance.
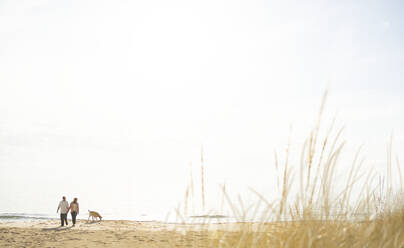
(202, 181)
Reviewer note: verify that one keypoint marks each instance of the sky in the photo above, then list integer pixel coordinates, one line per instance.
(111, 101)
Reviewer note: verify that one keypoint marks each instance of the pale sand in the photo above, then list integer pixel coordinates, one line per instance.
(109, 233)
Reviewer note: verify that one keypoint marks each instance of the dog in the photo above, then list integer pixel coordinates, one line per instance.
(93, 215)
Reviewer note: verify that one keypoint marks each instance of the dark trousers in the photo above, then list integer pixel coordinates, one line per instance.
(63, 219)
(74, 214)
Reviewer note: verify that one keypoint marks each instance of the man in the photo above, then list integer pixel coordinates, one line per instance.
(64, 207)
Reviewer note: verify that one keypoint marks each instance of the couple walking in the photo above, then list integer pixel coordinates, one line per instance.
(65, 208)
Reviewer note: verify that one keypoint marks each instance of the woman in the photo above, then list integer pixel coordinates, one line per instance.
(74, 210)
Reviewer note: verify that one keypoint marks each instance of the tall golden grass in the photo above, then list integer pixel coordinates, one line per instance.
(321, 214)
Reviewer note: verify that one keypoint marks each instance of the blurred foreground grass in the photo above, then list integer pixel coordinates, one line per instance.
(366, 212)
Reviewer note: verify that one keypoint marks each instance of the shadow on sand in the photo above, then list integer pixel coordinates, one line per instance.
(92, 222)
(59, 228)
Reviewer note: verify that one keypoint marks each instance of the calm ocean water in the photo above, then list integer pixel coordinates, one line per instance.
(169, 218)
(6, 217)
(12, 217)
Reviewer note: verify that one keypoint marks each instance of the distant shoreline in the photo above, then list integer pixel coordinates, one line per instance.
(200, 219)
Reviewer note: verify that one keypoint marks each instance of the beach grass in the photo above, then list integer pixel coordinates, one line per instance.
(311, 210)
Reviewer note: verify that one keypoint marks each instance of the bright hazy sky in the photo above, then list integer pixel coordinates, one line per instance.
(110, 101)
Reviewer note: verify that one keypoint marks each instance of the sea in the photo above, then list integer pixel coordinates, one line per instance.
(26, 217)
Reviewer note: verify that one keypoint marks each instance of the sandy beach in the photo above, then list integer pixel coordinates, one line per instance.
(109, 233)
